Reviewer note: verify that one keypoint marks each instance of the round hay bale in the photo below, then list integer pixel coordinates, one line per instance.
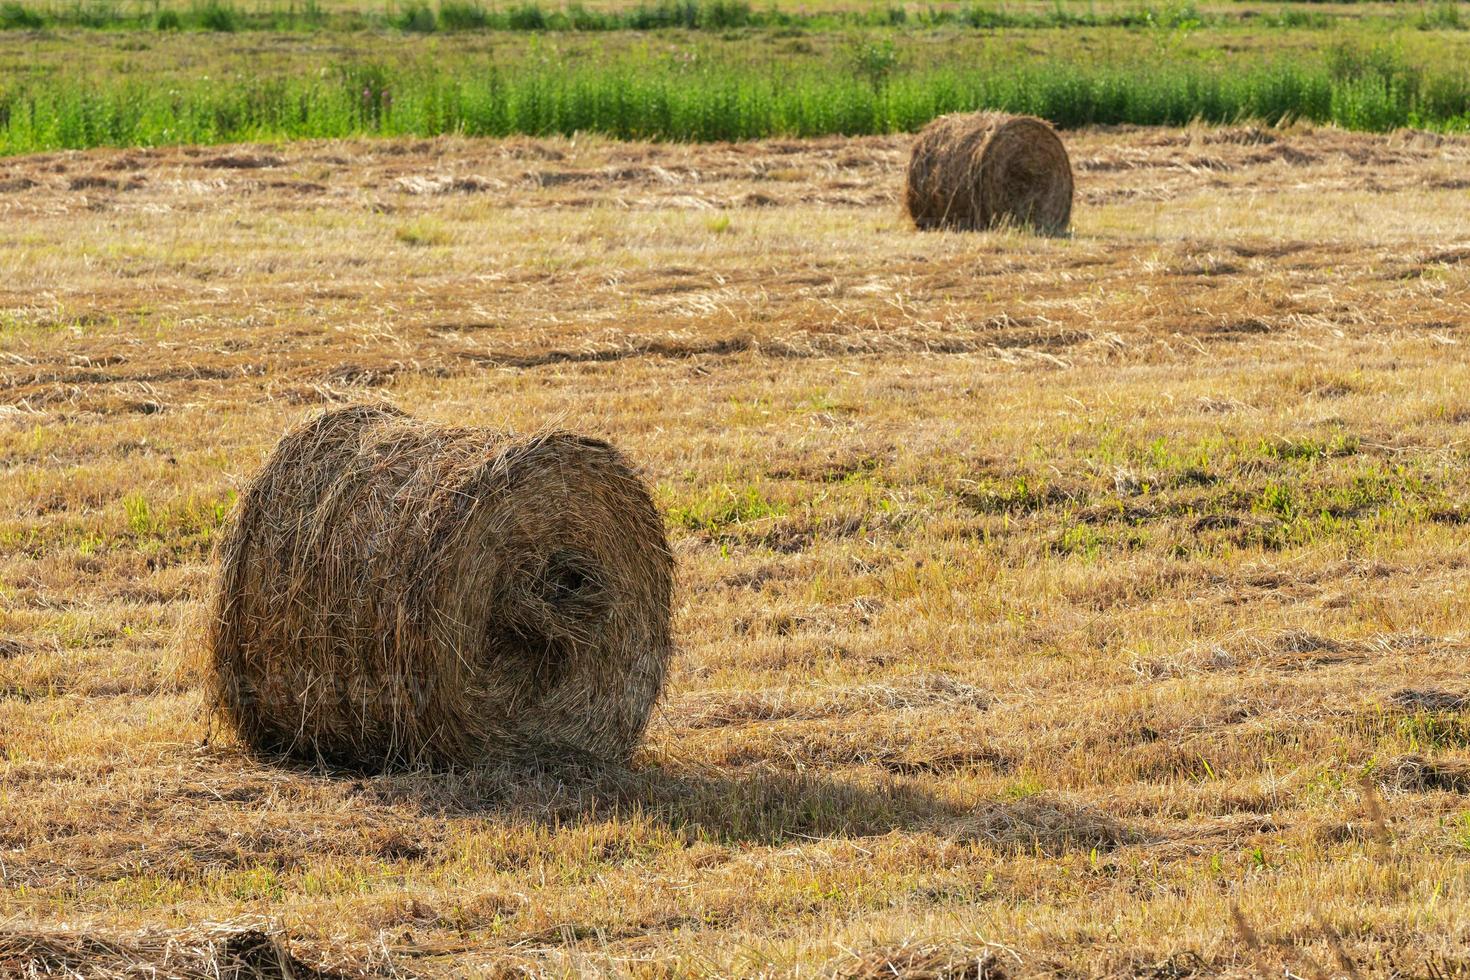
(398, 593)
(986, 170)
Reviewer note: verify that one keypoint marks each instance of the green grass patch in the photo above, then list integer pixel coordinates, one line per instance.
(424, 232)
(1432, 732)
(17, 16)
(722, 506)
(644, 96)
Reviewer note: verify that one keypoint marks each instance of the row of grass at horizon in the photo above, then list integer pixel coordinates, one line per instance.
(452, 16)
(653, 99)
(421, 16)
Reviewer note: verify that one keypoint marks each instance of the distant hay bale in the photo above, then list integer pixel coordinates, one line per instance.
(401, 593)
(988, 170)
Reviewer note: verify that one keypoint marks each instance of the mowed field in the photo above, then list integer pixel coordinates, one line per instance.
(1089, 606)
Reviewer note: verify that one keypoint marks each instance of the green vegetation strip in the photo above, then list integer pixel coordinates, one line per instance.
(703, 15)
(642, 97)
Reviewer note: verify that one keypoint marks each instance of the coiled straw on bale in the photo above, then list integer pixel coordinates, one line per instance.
(988, 169)
(400, 593)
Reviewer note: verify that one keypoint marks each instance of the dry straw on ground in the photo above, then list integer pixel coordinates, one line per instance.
(397, 592)
(920, 961)
(943, 680)
(988, 170)
(219, 953)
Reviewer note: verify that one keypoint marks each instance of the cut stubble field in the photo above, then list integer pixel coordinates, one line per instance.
(1088, 605)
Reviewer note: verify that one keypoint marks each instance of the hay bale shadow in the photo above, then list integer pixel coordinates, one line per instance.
(256, 955)
(923, 961)
(761, 806)
(1429, 699)
(216, 954)
(1417, 774)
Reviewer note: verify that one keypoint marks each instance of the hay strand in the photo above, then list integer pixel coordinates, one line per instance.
(395, 592)
(985, 170)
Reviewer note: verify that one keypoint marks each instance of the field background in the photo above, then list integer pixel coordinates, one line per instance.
(1040, 599)
(1091, 605)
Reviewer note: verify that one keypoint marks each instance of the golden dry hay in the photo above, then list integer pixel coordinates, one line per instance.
(396, 592)
(986, 170)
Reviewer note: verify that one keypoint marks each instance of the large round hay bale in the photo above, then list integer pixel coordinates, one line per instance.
(396, 592)
(982, 170)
